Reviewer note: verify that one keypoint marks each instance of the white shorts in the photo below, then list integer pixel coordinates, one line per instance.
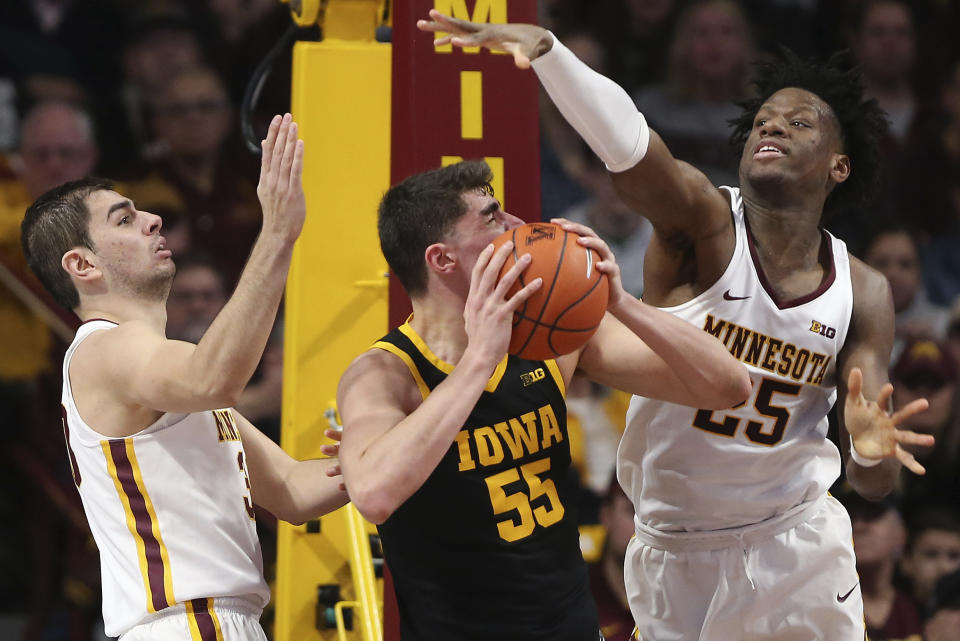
(220, 619)
(792, 578)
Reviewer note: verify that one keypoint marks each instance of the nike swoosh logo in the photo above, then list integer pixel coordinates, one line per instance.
(727, 296)
(841, 599)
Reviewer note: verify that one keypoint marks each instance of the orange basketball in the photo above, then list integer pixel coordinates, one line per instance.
(566, 311)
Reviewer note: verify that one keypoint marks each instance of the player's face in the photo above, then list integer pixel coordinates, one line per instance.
(794, 140)
(483, 222)
(935, 553)
(131, 252)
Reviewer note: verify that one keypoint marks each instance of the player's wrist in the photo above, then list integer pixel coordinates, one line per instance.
(861, 460)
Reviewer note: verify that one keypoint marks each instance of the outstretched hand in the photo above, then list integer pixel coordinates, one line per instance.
(280, 188)
(524, 41)
(874, 430)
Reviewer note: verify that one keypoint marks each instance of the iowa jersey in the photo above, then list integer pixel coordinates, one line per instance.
(488, 547)
(690, 470)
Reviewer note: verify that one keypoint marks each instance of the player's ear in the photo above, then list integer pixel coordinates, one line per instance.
(840, 169)
(439, 258)
(81, 263)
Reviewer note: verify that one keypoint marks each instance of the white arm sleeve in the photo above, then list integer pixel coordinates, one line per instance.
(597, 107)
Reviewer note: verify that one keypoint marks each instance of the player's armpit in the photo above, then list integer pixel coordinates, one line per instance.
(293, 491)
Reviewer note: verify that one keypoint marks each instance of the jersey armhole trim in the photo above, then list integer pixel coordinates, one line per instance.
(554, 370)
(396, 351)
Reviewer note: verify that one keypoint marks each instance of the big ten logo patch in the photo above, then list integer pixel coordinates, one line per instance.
(541, 232)
(819, 328)
(532, 377)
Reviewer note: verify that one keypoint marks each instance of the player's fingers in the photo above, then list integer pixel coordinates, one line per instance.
(277, 156)
(439, 42)
(446, 22)
(330, 450)
(505, 283)
(333, 470)
(267, 144)
(908, 437)
(883, 398)
(289, 150)
(488, 280)
(520, 59)
(476, 276)
(910, 409)
(525, 292)
(296, 168)
(576, 228)
(909, 462)
(333, 434)
(855, 385)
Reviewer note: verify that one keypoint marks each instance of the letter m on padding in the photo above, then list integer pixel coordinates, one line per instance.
(492, 11)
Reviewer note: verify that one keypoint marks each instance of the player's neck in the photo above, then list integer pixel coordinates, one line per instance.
(439, 322)
(789, 236)
(122, 310)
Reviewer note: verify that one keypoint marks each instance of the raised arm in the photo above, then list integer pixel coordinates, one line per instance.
(393, 438)
(649, 352)
(677, 198)
(862, 375)
(293, 491)
(148, 370)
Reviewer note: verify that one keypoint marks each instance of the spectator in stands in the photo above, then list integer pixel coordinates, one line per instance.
(878, 540)
(884, 42)
(707, 72)
(932, 550)
(606, 577)
(894, 252)
(932, 160)
(943, 611)
(203, 171)
(161, 41)
(627, 233)
(925, 369)
(196, 297)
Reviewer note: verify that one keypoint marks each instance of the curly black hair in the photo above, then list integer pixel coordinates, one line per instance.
(839, 84)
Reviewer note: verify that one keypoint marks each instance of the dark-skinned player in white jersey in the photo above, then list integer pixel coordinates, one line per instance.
(736, 536)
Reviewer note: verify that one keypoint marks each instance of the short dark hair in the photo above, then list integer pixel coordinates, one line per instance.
(419, 211)
(935, 517)
(839, 84)
(55, 223)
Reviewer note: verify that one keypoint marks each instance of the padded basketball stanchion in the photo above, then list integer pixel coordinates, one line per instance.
(335, 306)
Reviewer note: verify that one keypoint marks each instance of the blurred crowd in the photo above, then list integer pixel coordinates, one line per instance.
(147, 93)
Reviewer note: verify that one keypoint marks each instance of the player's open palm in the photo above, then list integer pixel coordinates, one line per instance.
(488, 312)
(524, 41)
(281, 179)
(874, 430)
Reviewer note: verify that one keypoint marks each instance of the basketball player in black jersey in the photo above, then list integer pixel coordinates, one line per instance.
(460, 453)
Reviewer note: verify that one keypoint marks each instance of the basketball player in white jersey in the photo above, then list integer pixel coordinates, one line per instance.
(168, 473)
(736, 536)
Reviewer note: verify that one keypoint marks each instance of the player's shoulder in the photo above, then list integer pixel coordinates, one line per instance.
(120, 341)
(378, 367)
(870, 287)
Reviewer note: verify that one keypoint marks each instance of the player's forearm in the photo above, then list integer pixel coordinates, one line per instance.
(713, 378)
(397, 464)
(874, 482)
(230, 350)
(598, 108)
(310, 492)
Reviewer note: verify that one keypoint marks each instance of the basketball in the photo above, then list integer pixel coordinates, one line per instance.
(566, 311)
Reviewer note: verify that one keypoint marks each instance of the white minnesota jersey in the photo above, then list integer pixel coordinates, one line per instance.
(169, 507)
(692, 470)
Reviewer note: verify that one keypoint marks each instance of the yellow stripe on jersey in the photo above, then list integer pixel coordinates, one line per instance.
(393, 349)
(202, 620)
(447, 368)
(125, 460)
(557, 376)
